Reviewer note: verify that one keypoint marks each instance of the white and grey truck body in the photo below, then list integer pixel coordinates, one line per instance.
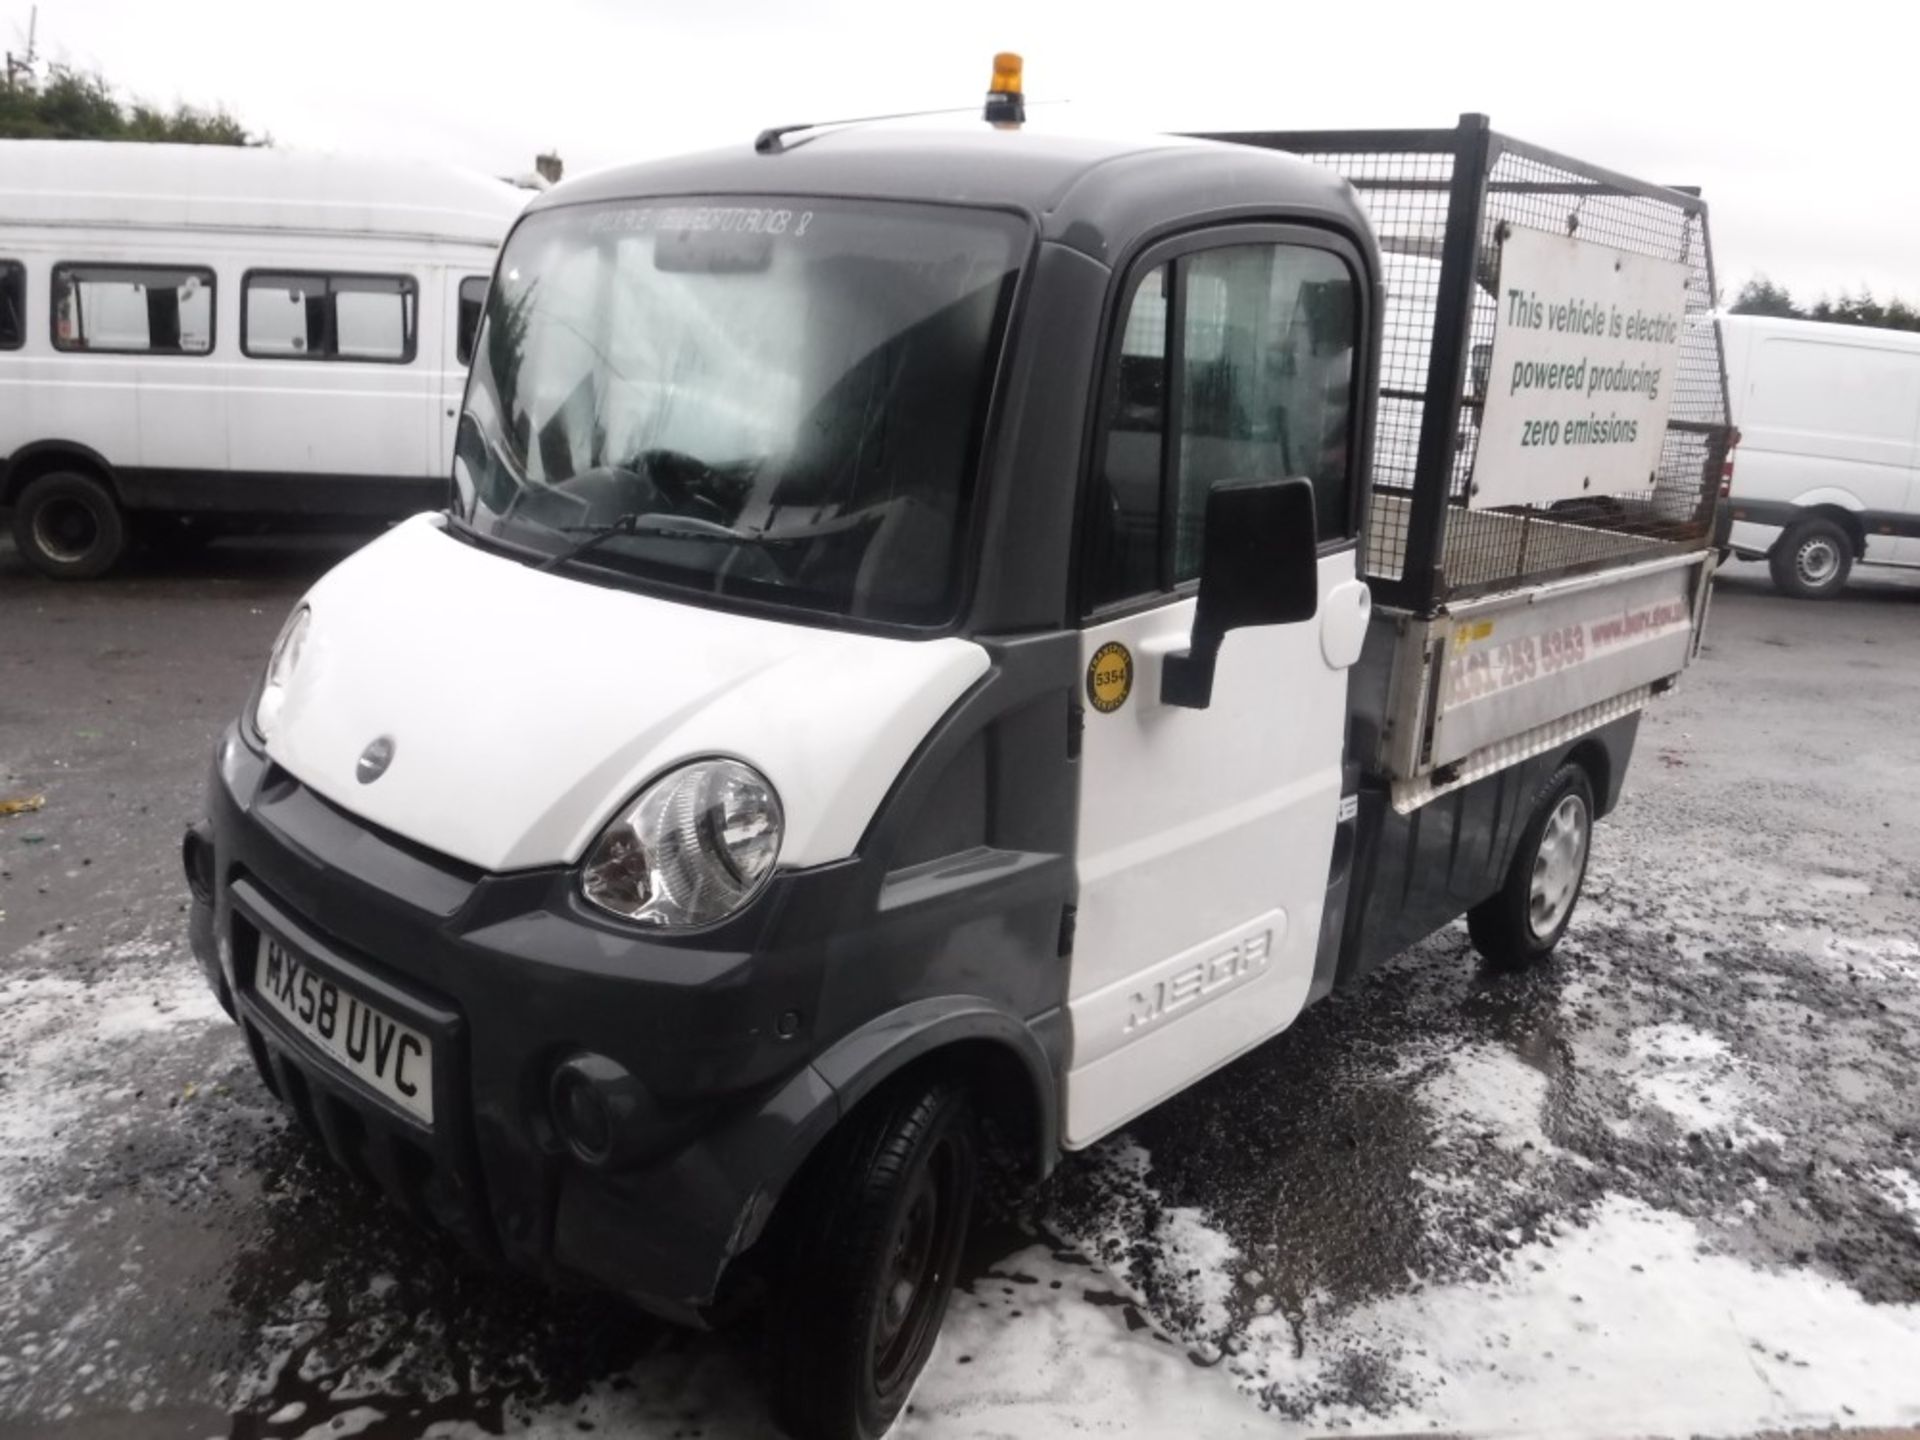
(924, 637)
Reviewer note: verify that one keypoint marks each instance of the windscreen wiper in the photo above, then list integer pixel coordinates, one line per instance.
(676, 527)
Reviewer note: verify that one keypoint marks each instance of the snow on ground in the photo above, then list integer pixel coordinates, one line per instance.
(68, 1055)
(1628, 1323)
(1482, 1091)
(78, 1051)
(1631, 1321)
(1902, 1191)
(1696, 1080)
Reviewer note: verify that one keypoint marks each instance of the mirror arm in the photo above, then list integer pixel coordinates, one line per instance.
(1186, 677)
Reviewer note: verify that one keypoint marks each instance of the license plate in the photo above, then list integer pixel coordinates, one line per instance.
(392, 1059)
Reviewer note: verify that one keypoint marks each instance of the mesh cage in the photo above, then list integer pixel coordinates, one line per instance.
(1441, 201)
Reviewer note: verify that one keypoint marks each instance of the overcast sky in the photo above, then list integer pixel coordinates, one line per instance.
(1801, 133)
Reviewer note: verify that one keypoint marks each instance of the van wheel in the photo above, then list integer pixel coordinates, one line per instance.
(69, 526)
(1525, 919)
(870, 1262)
(1812, 560)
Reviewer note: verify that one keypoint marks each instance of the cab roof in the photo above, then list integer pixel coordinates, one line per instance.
(1096, 195)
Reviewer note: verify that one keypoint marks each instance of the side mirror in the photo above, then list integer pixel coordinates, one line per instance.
(1259, 565)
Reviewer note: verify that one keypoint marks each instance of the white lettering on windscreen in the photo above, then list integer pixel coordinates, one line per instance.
(696, 219)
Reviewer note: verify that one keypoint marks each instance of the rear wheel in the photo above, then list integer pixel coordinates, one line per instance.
(1812, 560)
(1525, 919)
(69, 526)
(871, 1260)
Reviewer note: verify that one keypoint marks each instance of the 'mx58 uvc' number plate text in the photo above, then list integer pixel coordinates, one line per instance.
(390, 1058)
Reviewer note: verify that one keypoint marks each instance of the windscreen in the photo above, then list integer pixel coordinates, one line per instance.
(779, 401)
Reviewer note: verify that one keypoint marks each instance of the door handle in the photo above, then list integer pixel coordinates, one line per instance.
(1343, 623)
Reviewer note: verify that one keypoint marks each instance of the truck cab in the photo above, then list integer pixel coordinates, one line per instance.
(890, 679)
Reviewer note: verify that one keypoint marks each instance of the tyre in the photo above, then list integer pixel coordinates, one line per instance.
(1525, 918)
(869, 1263)
(1812, 560)
(69, 526)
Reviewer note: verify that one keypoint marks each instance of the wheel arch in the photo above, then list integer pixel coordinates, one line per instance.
(1591, 756)
(44, 457)
(1848, 519)
(998, 1056)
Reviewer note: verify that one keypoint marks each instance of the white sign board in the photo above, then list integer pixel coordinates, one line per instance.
(1585, 355)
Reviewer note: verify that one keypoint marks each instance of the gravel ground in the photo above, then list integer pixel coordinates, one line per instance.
(1667, 1184)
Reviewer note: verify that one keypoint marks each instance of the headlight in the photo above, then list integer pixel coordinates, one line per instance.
(696, 846)
(281, 662)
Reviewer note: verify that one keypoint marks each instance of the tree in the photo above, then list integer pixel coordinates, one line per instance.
(1863, 309)
(74, 105)
(1760, 296)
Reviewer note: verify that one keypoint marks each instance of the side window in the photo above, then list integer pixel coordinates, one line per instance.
(473, 303)
(133, 309)
(13, 304)
(1247, 354)
(1266, 382)
(329, 317)
(1124, 514)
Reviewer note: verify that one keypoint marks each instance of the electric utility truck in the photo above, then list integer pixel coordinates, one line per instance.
(924, 645)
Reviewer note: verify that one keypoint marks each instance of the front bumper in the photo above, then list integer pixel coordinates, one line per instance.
(510, 975)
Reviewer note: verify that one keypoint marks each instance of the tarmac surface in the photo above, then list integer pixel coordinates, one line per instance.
(1668, 1183)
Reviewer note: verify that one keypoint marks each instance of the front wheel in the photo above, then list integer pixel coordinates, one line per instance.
(1526, 917)
(1813, 559)
(871, 1260)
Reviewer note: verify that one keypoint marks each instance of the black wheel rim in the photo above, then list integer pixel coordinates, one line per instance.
(915, 1275)
(65, 529)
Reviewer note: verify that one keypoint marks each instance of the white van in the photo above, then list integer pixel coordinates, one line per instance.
(1829, 473)
(229, 334)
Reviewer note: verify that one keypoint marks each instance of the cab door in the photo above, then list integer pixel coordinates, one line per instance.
(1206, 835)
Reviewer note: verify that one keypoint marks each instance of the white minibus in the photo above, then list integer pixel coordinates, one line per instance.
(193, 337)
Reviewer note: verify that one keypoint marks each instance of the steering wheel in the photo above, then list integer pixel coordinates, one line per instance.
(677, 475)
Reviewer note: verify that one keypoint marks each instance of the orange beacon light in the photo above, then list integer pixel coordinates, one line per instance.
(1006, 105)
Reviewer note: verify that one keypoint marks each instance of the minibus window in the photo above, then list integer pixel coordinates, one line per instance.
(779, 401)
(288, 316)
(133, 309)
(473, 298)
(13, 305)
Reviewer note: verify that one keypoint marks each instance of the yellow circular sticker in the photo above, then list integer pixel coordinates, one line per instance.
(1110, 677)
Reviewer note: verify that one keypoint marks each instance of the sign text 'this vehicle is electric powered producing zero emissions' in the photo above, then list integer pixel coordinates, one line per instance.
(1584, 358)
